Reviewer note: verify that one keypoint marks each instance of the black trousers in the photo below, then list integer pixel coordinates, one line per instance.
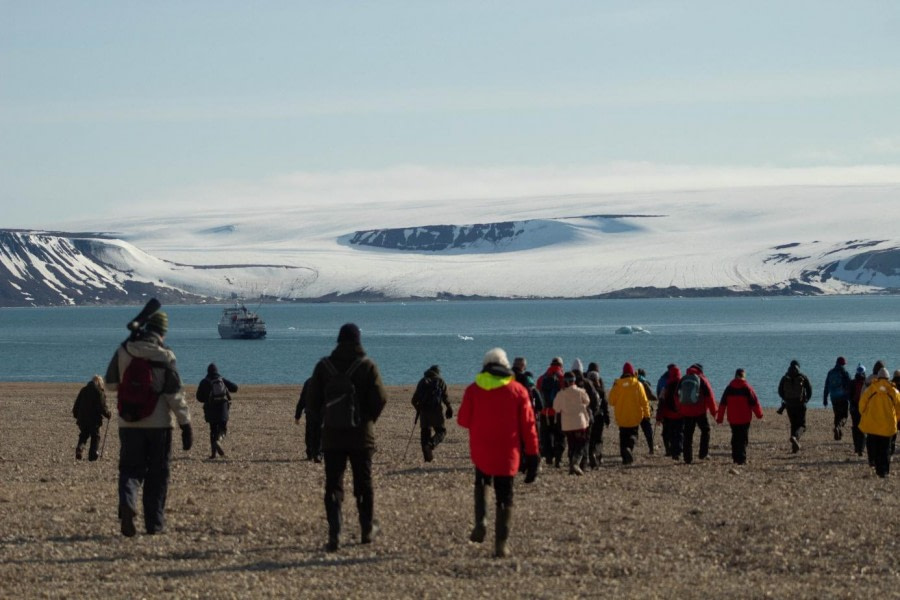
(144, 456)
(92, 433)
(217, 431)
(797, 417)
(627, 438)
(432, 439)
(647, 428)
(553, 441)
(740, 439)
(691, 423)
(673, 437)
(595, 442)
(313, 439)
(503, 487)
(361, 468)
(879, 447)
(859, 438)
(577, 442)
(841, 408)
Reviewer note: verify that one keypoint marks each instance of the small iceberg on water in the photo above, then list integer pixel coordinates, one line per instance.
(465, 338)
(628, 329)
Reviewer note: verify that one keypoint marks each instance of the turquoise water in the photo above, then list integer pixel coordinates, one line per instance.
(761, 335)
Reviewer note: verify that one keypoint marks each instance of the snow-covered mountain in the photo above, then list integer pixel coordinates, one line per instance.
(774, 240)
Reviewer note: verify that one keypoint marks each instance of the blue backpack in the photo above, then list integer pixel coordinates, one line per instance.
(835, 384)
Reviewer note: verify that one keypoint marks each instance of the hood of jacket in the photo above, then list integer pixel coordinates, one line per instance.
(431, 374)
(793, 371)
(494, 376)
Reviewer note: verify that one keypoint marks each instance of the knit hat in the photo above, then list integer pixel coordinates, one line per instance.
(794, 363)
(627, 369)
(697, 366)
(520, 363)
(349, 333)
(739, 374)
(841, 361)
(212, 369)
(883, 373)
(593, 376)
(577, 365)
(593, 367)
(496, 356)
(434, 369)
(569, 376)
(860, 369)
(558, 361)
(896, 374)
(158, 322)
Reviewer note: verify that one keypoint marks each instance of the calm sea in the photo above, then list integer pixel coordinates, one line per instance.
(761, 335)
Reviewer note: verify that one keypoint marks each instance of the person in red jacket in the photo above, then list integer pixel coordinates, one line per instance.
(695, 398)
(741, 403)
(496, 410)
(667, 413)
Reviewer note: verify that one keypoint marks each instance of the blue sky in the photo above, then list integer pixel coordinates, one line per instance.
(107, 106)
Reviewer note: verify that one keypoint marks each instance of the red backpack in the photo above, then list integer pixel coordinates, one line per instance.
(136, 396)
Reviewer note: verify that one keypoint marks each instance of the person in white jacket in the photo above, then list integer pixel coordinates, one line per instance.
(142, 372)
(572, 404)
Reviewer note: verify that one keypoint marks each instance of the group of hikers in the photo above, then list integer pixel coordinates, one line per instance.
(512, 420)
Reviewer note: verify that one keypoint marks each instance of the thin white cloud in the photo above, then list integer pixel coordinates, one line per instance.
(747, 88)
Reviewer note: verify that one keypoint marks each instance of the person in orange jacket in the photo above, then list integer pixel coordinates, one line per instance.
(740, 401)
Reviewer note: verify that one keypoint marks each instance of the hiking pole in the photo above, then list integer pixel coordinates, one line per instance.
(103, 445)
(411, 433)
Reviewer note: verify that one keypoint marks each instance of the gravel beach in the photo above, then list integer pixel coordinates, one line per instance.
(817, 524)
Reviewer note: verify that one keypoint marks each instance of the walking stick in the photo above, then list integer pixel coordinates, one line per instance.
(103, 445)
(411, 433)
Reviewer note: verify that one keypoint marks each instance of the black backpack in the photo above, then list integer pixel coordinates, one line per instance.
(218, 392)
(341, 409)
(433, 394)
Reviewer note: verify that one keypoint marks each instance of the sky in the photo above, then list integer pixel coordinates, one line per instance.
(118, 107)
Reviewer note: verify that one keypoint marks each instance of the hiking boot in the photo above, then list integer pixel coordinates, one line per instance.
(627, 456)
(127, 526)
(219, 449)
(332, 544)
(795, 445)
(428, 453)
(837, 433)
(576, 470)
(79, 452)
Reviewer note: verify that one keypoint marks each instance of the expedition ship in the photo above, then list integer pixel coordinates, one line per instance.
(239, 323)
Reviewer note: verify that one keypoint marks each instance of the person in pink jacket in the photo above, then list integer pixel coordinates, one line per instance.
(572, 404)
(740, 401)
(496, 410)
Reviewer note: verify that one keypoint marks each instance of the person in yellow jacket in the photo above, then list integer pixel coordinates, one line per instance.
(629, 400)
(879, 407)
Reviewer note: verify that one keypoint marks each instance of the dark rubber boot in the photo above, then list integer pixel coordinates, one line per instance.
(501, 531)
(368, 527)
(480, 530)
(333, 513)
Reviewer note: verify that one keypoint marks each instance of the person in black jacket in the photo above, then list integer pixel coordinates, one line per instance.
(89, 410)
(313, 433)
(346, 395)
(214, 392)
(429, 400)
(795, 391)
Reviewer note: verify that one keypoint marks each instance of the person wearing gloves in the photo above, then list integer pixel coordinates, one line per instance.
(795, 391)
(839, 386)
(496, 410)
(89, 411)
(573, 404)
(740, 403)
(630, 404)
(880, 410)
(145, 421)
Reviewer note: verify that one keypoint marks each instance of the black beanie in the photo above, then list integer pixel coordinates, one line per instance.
(349, 333)
(212, 369)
